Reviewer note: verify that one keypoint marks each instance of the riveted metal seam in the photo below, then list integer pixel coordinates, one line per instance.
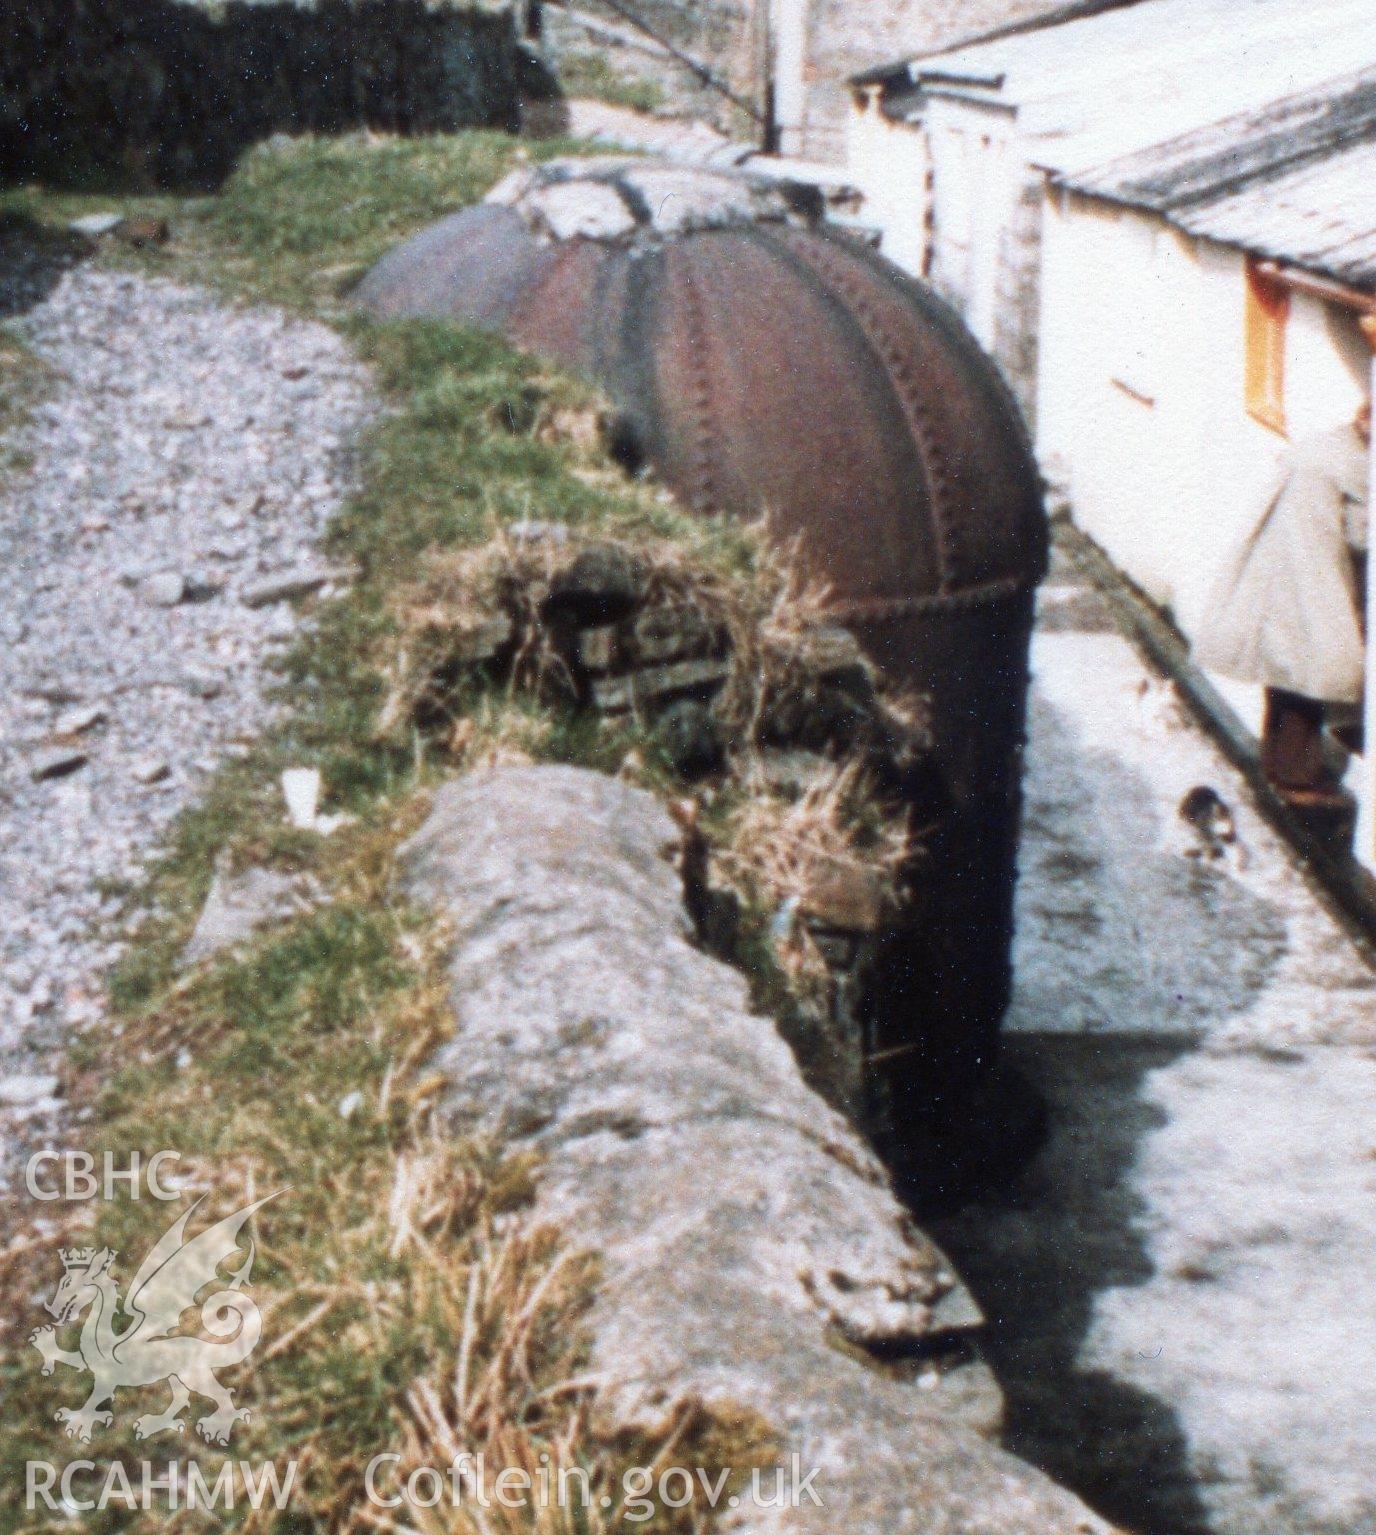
(702, 402)
(886, 609)
(908, 393)
(873, 375)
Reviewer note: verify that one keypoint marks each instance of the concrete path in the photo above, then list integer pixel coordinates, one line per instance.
(1182, 1286)
(684, 140)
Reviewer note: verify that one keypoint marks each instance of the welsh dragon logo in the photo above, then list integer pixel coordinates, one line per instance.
(148, 1350)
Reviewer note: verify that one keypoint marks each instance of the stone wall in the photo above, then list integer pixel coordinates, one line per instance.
(158, 93)
(846, 37)
(730, 705)
(753, 1257)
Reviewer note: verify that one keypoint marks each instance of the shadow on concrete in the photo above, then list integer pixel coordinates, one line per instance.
(1128, 954)
(33, 257)
(1038, 1249)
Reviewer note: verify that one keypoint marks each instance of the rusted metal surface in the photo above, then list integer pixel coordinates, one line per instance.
(758, 360)
(761, 362)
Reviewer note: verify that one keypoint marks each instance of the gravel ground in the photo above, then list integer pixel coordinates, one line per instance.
(188, 454)
(1182, 1286)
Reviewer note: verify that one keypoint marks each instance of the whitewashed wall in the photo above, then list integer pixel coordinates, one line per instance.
(976, 174)
(788, 25)
(889, 163)
(1141, 407)
(976, 234)
(1366, 792)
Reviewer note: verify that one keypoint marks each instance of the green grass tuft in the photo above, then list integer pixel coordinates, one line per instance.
(587, 72)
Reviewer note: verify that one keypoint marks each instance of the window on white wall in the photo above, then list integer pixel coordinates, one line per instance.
(1267, 321)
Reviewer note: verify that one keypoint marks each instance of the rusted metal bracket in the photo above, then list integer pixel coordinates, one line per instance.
(1334, 292)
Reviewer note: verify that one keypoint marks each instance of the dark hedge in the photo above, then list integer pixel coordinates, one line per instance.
(157, 93)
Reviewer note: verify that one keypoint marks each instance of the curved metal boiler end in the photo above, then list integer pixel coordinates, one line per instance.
(759, 360)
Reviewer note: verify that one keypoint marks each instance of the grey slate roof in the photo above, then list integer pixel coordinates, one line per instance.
(1295, 181)
(1087, 90)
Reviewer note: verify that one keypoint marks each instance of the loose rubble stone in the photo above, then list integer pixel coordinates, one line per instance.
(533, 532)
(149, 770)
(603, 584)
(839, 660)
(301, 790)
(597, 648)
(658, 684)
(94, 225)
(487, 640)
(201, 587)
(740, 1223)
(691, 740)
(176, 683)
(51, 692)
(794, 772)
(76, 722)
(164, 589)
(667, 634)
(288, 585)
(203, 685)
(57, 762)
(240, 904)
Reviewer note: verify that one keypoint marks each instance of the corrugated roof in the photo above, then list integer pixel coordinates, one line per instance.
(1106, 85)
(1295, 181)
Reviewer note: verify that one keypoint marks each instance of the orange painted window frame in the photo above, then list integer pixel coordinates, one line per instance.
(1268, 315)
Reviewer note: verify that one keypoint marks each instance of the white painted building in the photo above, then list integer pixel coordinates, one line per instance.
(952, 150)
(1203, 303)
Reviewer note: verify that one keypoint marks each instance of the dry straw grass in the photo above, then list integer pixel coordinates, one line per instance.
(770, 837)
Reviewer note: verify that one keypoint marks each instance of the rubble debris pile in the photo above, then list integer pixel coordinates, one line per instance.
(812, 781)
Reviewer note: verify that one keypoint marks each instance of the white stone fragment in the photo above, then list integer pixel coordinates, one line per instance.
(149, 770)
(164, 588)
(301, 790)
(75, 722)
(96, 225)
(587, 210)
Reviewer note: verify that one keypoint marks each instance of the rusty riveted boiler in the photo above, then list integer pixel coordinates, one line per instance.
(758, 359)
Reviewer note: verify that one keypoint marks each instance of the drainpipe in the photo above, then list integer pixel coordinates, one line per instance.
(790, 58)
(1366, 815)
